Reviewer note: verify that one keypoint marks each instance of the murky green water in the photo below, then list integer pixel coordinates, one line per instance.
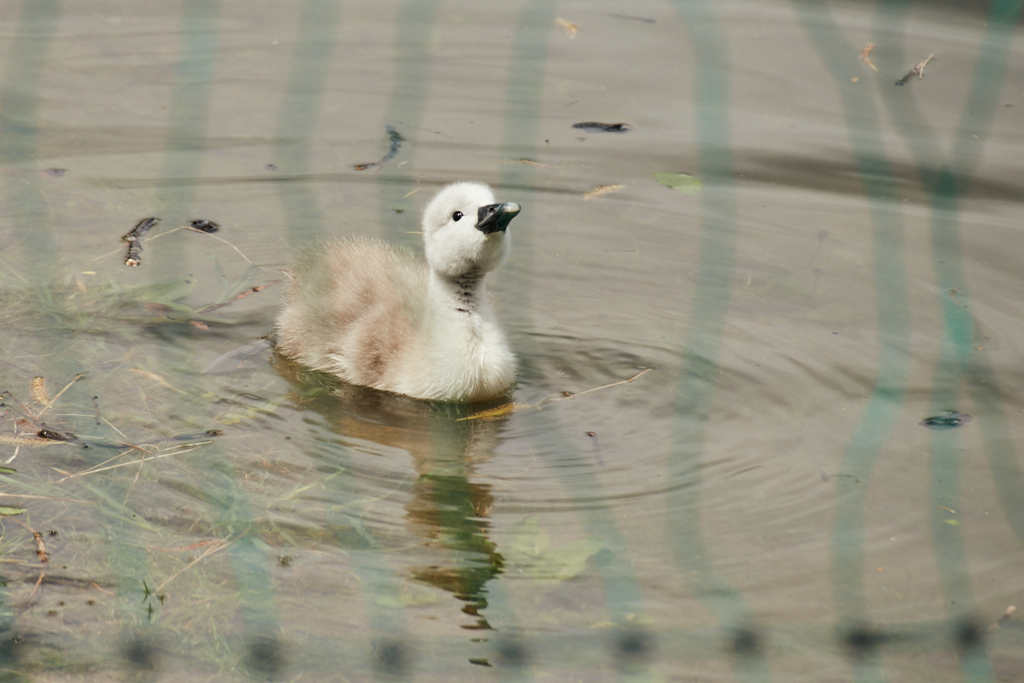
(763, 503)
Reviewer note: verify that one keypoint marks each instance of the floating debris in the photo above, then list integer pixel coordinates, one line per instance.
(51, 434)
(134, 240)
(156, 378)
(528, 162)
(500, 411)
(40, 547)
(917, 70)
(509, 408)
(203, 225)
(629, 16)
(37, 389)
(1003, 619)
(600, 191)
(569, 27)
(683, 182)
(270, 167)
(25, 440)
(865, 55)
(599, 127)
(396, 142)
(948, 420)
(55, 172)
(251, 290)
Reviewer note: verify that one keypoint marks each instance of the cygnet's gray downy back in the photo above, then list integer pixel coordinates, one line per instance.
(377, 316)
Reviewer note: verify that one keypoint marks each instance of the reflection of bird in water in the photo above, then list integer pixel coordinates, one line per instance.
(443, 508)
(451, 509)
(376, 316)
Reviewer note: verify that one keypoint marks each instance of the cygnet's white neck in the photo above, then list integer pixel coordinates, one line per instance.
(462, 295)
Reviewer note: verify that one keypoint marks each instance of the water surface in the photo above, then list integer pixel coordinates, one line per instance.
(761, 503)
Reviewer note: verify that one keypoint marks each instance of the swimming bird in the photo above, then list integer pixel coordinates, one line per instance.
(376, 315)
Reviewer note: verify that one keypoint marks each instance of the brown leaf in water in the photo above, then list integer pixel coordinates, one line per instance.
(601, 190)
(38, 390)
(865, 55)
(569, 27)
(159, 310)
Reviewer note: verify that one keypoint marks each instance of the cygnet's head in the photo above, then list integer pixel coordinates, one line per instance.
(464, 230)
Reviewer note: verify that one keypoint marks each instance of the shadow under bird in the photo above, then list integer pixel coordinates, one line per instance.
(376, 315)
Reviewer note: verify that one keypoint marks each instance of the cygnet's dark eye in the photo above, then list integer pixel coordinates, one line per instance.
(457, 215)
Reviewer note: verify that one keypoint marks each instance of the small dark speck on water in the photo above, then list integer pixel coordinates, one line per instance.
(948, 420)
(270, 167)
(55, 172)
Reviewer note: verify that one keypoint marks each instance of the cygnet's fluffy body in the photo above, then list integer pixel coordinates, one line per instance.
(377, 316)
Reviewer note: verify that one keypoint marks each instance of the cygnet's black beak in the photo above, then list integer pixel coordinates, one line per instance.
(496, 217)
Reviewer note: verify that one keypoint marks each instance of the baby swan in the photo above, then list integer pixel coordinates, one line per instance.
(378, 316)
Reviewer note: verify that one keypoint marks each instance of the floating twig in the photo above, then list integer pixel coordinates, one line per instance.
(509, 408)
(203, 230)
(251, 290)
(918, 70)
(156, 378)
(186, 548)
(221, 545)
(36, 587)
(566, 397)
(500, 411)
(528, 162)
(140, 461)
(999, 622)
